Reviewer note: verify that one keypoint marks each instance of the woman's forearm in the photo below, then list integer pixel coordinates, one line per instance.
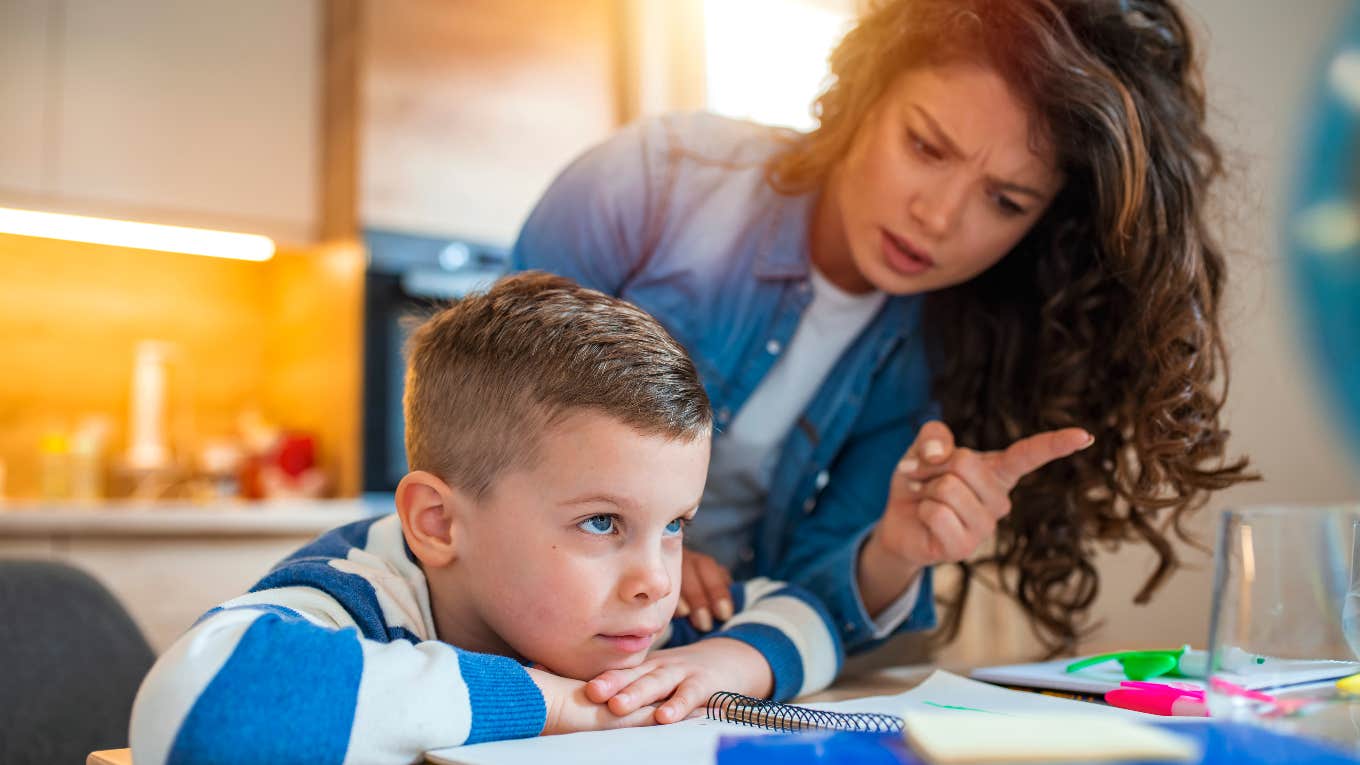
(882, 575)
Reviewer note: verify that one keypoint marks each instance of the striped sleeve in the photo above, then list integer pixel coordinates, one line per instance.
(787, 625)
(284, 675)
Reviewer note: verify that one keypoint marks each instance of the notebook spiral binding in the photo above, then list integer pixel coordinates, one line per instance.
(771, 715)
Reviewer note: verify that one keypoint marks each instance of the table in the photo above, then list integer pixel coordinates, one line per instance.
(876, 683)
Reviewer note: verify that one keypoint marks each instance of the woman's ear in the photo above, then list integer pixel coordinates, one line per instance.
(429, 512)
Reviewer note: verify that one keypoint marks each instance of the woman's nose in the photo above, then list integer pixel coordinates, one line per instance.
(937, 209)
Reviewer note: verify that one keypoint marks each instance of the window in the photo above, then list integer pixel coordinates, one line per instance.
(766, 60)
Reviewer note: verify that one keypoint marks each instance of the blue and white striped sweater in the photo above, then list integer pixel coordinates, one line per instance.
(332, 658)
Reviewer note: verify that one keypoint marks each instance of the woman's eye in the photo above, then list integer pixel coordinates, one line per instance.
(676, 526)
(1007, 206)
(923, 148)
(597, 524)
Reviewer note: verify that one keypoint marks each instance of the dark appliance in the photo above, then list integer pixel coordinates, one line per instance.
(409, 277)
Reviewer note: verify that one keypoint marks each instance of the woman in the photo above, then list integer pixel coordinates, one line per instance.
(985, 278)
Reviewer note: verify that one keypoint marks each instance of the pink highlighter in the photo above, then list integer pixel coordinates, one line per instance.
(1165, 699)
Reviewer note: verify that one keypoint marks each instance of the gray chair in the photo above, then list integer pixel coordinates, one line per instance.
(70, 662)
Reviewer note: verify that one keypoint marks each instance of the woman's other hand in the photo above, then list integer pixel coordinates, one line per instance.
(705, 591)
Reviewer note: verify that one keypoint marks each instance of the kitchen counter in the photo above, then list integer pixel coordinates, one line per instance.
(168, 562)
(182, 518)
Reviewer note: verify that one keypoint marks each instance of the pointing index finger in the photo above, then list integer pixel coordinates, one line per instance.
(1029, 454)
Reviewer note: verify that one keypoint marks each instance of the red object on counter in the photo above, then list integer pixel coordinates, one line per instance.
(293, 454)
(296, 453)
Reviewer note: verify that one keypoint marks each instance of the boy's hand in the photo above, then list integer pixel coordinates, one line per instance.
(684, 678)
(571, 711)
(705, 590)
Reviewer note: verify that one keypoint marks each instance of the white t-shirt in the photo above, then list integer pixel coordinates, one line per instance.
(744, 454)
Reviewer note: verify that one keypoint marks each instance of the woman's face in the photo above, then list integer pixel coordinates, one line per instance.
(941, 180)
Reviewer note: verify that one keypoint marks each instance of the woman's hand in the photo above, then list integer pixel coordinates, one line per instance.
(570, 709)
(946, 501)
(705, 591)
(682, 679)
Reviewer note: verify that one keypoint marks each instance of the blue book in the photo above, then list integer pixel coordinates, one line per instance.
(1222, 744)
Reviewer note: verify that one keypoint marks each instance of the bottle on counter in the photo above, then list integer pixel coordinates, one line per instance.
(219, 464)
(147, 447)
(148, 470)
(54, 469)
(85, 461)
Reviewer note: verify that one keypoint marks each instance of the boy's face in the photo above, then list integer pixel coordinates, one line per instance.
(574, 563)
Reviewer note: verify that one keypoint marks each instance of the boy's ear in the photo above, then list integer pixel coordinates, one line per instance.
(430, 515)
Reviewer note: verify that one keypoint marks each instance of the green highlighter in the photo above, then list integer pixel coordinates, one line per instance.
(1180, 662)
(1139, 665)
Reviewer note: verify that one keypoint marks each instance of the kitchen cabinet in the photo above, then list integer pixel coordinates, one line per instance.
(204, 114)
(23, 73)
(470, 107)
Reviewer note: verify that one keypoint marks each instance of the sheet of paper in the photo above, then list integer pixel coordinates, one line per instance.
(946, 691)
(1106, 677)
(695, 741)
(691, 741)
(1053, 738)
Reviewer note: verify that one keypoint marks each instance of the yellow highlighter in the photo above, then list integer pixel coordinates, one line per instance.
(1349, 685)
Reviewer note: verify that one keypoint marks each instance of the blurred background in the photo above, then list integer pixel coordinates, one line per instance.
(341, 164)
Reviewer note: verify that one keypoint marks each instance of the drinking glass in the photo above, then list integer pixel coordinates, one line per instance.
(1285, 620)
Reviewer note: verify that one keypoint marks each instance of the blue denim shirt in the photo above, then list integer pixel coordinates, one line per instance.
(674, 215)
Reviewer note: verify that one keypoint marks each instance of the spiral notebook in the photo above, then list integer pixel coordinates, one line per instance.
(735, 708)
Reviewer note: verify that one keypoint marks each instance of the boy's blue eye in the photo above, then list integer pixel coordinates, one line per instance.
(676, 526)
(597, 524)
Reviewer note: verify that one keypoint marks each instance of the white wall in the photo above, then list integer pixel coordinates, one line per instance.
(1261, 57)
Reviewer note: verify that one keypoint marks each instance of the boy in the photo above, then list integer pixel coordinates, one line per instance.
(558, 442)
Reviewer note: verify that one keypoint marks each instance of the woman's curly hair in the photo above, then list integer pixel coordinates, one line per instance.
(1105, 316)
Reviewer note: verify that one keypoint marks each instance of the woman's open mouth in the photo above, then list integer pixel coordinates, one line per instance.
(902, 257)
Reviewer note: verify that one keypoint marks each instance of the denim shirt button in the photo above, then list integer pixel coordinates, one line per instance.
(724, 414)
(809, 505)
(746, 554)
(774, 347)
(822, 479)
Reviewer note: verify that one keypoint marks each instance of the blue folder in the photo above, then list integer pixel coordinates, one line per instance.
(1222, 743)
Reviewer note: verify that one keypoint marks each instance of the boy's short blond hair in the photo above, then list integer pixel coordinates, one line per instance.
(487, 375)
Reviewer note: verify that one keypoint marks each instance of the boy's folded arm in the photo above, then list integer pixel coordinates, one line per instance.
(262, 682)
(788, 626)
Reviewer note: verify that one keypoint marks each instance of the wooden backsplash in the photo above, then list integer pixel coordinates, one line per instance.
(282, 337)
